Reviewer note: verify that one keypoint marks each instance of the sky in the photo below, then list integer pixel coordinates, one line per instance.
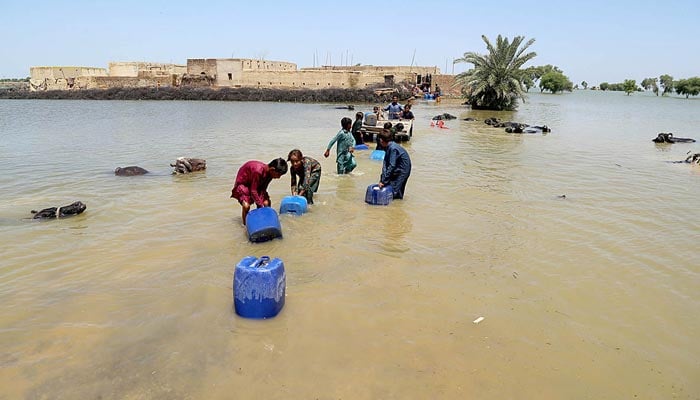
(593, 41)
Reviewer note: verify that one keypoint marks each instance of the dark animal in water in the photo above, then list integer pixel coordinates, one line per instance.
(444, 116)
(470, 119)
(668, 138)
(185, 165)
(348, 107)
(693, 159)
(130, 171)
(60, 212)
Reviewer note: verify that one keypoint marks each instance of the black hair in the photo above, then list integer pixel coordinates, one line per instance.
(346, 123)
(399, 127)
(387, 125)
(385, 135)
(359, 115)
(279, 165)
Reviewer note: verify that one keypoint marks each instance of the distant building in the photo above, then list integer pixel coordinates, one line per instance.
(225, 72)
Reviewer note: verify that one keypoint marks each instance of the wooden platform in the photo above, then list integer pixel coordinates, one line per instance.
(403, 136)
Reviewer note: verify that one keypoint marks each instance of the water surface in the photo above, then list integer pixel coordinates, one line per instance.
(594, 295)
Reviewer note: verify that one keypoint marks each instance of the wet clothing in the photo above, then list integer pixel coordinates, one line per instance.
(356, 131)
(396, 169)
(251, 184)
(407, 114)
(394, 110)
(345, 161)
(309, 177)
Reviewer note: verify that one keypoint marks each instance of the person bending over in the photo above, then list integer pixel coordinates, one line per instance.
(309, 172)
(397, 165)
(251, 184)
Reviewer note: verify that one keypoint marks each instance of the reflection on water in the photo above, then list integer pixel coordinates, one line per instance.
(582, 296)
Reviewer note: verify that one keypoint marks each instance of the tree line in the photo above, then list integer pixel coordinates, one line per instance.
(664, 84)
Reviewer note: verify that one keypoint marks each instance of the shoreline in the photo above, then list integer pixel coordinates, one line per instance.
(370, 95)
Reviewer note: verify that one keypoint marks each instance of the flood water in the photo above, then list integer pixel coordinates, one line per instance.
(594, 295)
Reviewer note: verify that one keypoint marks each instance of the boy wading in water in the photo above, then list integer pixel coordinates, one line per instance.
(309, 172)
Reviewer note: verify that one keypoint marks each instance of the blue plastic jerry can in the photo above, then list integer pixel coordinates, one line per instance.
(259, 286)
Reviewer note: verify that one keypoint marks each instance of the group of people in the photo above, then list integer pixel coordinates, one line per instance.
(253, 177)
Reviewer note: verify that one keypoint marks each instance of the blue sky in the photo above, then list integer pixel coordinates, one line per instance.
(595, 41)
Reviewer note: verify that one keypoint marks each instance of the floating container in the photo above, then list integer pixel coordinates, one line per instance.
(293, 205)
(259, 286)
(377, 155)
(379, 196)
(371, 119)
(428, 96)
(263, 224)
(361, 147)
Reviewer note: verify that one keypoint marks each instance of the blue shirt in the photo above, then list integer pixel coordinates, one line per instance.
(394, 110)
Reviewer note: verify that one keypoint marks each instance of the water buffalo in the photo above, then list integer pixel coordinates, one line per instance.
(60, 212)
(130, 171)
(185, 165)
(668, 138)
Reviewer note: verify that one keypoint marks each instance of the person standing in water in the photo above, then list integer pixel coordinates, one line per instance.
(345, 146)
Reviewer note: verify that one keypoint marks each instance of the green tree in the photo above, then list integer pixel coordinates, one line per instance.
(584, 84)
(666, 82)
(629, 86)
(650, 83)
(688, 87)
(495, 82)
(604, 86)
(555, 82)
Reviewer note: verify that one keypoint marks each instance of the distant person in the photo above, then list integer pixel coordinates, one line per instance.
(394, 108)
(251, 184)
(345, 146)
(309, 172)
(437, 93)
(357, 129)
(407, 113)
(380, 114)
(397, 165)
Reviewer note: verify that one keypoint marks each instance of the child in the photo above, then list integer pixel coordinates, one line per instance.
(397, 165)
(346, 146)
(251, 184)
(357, 127)
(309, 172)
(407, 113)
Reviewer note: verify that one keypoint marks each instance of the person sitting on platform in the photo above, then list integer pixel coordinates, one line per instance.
(251, 184)
(309, 172)
(394, 108)
(380, 114)
(397, 165)
(357, 129)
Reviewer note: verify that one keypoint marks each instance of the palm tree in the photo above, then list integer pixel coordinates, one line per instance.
(495, 82)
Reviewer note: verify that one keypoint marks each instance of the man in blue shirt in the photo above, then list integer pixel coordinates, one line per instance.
(397, 165)
(394, 108)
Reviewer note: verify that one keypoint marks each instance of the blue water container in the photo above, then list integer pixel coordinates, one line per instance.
(379, 196)
(263, 224)
(361, 147)
(293, 205)
(259, 286)
(377, 155)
